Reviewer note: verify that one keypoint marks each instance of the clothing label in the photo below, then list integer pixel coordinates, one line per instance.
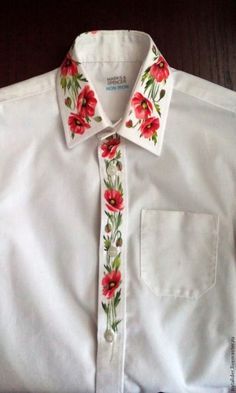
(117, 83)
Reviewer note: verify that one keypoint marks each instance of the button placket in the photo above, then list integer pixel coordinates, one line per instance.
(112, 265)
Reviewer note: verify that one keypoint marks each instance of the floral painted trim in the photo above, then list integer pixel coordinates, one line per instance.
(81, 102)
(113, 199)
(143, 103)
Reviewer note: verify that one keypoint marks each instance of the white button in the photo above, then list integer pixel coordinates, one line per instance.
(109, 336)
(112, 251)
(112, 169)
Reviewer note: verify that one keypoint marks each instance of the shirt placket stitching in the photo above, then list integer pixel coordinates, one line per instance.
(110, 356)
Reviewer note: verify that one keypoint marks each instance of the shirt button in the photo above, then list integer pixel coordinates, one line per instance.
(112, 251)
(109, 336)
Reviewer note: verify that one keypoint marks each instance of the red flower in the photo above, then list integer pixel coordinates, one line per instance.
(159, 70)
(109, 148)
(77, 123)
(114, 199)
(149, 126)
(142, 106)
(86, 102)
(111, 282)
(69, 66)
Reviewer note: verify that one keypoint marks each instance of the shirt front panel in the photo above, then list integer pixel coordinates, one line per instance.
(50, 220)
(186, 341)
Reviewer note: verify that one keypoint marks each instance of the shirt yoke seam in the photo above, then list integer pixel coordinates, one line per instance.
(205, 100)
(13, 99)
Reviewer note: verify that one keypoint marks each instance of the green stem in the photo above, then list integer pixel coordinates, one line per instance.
(135, 124)
(114, 310)
(109, 312)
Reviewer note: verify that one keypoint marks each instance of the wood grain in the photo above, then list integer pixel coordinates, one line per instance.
(198, 37)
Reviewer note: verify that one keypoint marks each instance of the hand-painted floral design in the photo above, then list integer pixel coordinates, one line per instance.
(81, 101)
(86, 102)
(114, 200)
(110, 147)
(111, 282)
(112, 237)
(77, 123)
(144, 102)
(160, 70)
(149, 126)
(142, 106)
(69, 66)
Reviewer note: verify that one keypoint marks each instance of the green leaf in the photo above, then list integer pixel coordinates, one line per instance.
(117, 298)
(63, 83)
(157, 107)
(107, 244)
(144, 76)
(76, 85)
(108, 184)
(154, 49)
(115, 324)
(118, 155)
(154, 138)
(108, 214)
(97, 118)
(105, 308)
(148, 83)
(107, 268)
(120, 188)
(81, 78)
(116, 262)
(118, 222)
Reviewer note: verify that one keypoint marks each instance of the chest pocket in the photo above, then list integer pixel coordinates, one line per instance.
(179, 252)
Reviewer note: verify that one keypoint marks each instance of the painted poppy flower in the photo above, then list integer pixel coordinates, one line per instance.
(86, 102)
(114, 199)
(142, 106)
(109, 148)
(77, 123)
(69, 66)
(160, 70)
(110, 283)
(149, 126)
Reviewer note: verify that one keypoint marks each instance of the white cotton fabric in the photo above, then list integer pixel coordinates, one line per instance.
(180, 248)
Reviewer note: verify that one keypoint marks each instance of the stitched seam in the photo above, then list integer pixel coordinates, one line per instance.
(27, 95)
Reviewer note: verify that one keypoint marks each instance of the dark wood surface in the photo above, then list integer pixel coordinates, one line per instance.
(198, 37)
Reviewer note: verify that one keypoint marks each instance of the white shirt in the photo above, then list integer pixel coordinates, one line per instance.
(117, 225)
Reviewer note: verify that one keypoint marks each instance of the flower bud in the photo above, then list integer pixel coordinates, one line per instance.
(68, 102)
(129, 124)
(108, 227)
(119, 242)
(119, 165)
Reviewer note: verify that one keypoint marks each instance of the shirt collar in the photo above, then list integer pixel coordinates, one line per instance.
(81, 109)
